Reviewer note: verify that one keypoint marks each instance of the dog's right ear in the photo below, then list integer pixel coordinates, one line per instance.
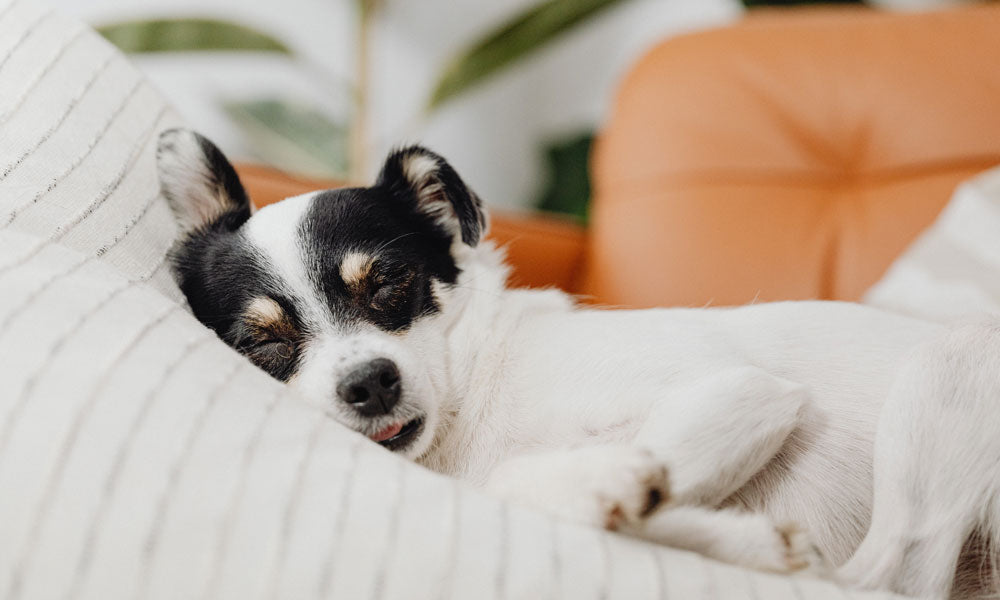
(432, 186)
(200, 185)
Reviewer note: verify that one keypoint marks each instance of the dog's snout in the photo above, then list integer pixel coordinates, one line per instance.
(372, 388)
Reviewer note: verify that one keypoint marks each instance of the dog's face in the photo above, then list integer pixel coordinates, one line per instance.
(341, 293)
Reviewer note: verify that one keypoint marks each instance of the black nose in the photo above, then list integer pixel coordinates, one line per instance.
(372, 388)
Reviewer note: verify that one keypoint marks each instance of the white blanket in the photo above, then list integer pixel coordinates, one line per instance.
(140, 457)
(952, 271)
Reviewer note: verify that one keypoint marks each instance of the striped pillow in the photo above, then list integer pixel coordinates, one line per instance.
(953, 270)
(142, 457)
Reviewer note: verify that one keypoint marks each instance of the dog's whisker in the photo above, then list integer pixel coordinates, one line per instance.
(833, 413)
(394, 240)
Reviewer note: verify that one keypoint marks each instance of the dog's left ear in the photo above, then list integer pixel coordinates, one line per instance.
(202, 188)
(420, 176)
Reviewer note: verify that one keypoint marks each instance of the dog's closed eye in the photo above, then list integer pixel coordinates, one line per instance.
(282, 349)
(391, 290)
(268, 337)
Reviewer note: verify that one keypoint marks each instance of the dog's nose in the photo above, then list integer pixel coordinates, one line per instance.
(372, 388)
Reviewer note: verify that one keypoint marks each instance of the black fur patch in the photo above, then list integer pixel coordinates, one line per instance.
(408, 251)
(467, 207)
(391, 223)
(220, 274)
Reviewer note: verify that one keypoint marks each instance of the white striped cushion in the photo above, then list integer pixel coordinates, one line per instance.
(952, 271)
(140, 457)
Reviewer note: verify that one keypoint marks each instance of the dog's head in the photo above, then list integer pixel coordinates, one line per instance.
(341, 293)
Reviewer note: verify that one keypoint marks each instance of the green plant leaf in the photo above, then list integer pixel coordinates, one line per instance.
(186, 35)
(511, 42)
(567, 188)
(292, 136)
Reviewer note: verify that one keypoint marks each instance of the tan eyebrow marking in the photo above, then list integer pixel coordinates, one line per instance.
(263, 311)
(265, 318)
(355, 267)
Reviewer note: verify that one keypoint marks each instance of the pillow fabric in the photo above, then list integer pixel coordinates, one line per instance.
(140, 457)
(952, 271)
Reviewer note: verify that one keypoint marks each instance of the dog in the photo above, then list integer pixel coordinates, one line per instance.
(785, 437)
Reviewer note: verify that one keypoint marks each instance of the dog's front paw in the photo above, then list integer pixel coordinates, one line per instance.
(603, 486)
(627, 484)
(784, 548)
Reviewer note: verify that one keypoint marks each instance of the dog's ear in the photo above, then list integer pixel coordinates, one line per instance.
(200, 185)
(420, 176)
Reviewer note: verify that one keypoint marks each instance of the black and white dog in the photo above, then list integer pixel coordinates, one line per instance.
(876, 433)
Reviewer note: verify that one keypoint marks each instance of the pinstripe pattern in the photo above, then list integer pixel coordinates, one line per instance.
(140, 457)
(6, 9)
(93, 531)
(608, 564)
(555, 560)
(451, 551)
(326, 577)
(151, 544)
(391, 544)
(291, 507)
(661, 579)
(41, 74)
(57, 179)
(64, 452)
(25, 34)
(19, 160)
(247, 459)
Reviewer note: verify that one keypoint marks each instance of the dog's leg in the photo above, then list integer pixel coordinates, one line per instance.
(740, 538)
(714, 434)
(936, 462)
(604, 486)
(720, 431)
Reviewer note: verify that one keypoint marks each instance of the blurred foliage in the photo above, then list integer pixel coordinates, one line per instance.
(292, 136)
(567, 188)
(284, 133)
(189, 35)
(512, 41)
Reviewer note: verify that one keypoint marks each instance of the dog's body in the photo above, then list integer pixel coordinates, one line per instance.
(381, 305)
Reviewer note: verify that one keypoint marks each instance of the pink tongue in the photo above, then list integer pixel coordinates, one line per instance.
(387, 433)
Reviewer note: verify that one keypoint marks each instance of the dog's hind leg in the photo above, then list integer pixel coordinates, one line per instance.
(937, 466)
(713, 435)
(720, 431)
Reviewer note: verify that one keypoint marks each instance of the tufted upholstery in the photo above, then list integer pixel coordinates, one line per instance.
(793, 155)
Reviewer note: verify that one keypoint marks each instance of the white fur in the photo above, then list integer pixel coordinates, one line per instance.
(183, 170)
(335, 348)
(875, 433)
(418, 167)
(273, 232)
(420, 171)
(771, 409)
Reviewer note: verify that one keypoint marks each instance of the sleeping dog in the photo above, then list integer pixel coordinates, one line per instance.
(873, 432)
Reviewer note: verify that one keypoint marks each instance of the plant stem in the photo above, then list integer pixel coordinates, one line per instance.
(359, 123)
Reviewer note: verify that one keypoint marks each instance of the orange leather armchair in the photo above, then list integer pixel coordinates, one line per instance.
(793, 155)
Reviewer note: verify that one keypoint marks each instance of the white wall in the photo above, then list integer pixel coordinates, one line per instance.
(493, 135)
